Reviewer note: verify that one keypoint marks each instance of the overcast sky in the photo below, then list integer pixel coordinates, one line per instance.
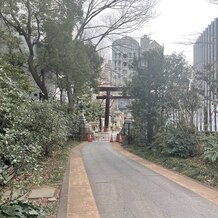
(179, 24)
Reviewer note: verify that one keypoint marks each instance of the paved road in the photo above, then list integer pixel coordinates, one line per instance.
(124, 188)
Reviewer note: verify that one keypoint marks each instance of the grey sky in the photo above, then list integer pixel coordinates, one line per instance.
(179, 24)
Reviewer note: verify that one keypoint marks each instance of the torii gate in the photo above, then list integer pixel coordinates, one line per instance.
(108, 97)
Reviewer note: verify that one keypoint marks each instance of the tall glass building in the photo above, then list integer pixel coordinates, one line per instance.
(206, 64)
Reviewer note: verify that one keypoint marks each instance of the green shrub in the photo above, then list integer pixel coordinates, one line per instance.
(138, 134)
(73, 124)
(18, 150)
(15, 75)
(28, 130)
(48, 126)
(22, 209)
(210, 148)
(177, 142)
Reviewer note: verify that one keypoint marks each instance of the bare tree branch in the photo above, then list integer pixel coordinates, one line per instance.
(108, 16)
(213, 1)
(22, 16)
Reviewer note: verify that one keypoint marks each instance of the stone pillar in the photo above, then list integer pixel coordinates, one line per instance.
(83, 125)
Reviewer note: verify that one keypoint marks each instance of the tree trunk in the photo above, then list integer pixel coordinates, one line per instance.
(40, 83)
(149, 112)
(70, 98)
(36, 77)
(61, 96)
(149, 125)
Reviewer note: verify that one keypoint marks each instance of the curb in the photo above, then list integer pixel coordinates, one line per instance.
(76, 198)
(62, 207)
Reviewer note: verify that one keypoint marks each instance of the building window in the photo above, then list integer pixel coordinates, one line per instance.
(124, 55)
(119, 62)
(115, 54)
(130, 55)
(119, 55)
(124, 64)
(125, 72)
(125, 79)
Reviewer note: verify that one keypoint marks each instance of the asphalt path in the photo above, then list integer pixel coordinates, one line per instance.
(123, 188)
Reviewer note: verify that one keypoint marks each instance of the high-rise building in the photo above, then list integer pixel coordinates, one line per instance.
(124, 50)
(206, 63)
(147, 44)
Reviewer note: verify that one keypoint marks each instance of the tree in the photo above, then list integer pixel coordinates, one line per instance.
(146, 88)
(110, 17)
(81, 21)
(68, 53)
(26, 18)
(181, 97)
(164, 93)
(82, 71)
(75, 64)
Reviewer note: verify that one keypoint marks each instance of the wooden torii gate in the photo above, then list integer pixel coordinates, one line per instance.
(108, 97)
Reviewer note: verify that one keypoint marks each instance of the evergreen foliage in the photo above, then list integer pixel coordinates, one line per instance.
(146, 88)
(177, 141)
(28, 131)
(21, 209)
(210, 148)
(166, 99)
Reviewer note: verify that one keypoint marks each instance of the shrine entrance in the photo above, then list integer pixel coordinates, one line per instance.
(108, 97)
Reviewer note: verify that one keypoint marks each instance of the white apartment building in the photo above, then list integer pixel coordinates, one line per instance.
(124, 51)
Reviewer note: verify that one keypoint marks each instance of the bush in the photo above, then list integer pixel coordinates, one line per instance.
(48, 126)
(21, 209)
(210, 148)
(28, 130)
(18, 150)
(177, 142)
(138, 134)
(73, 124)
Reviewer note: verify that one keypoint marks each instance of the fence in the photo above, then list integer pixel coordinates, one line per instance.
(105, 136)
